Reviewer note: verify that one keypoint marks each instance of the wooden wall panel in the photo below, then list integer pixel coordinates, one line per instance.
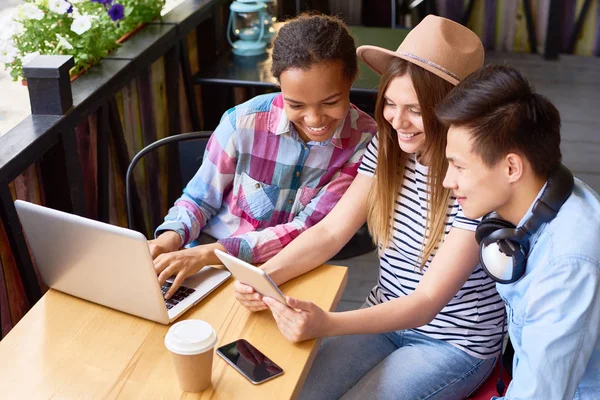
(143, 113)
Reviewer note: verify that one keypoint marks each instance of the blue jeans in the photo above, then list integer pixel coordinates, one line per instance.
(395, 365)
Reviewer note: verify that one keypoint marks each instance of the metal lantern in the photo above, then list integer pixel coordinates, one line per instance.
(270, 18)
(247, 22)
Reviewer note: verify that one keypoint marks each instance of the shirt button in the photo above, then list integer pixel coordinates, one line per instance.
(297, 173)
(290, 201)
(257, 185)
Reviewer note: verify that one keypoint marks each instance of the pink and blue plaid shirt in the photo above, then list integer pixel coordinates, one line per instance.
(260, 185)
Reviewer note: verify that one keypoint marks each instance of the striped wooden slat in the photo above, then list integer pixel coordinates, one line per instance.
(6, 263)
(452, 9)
(150, 194)
(121, 158)
(502, 26)
(112, 182)
(509, 22)
(86, 147)
(567, 22)
(541, 14)
(14, 290)
(520, 41)
(128, 103)
(27, 186)
(596, 50)
(192, 49)
(13, 301)
(476, 23)
(185, 121)
(489, 24)
(585, 40)
(159, 99)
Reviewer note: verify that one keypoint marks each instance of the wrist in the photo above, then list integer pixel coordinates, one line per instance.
(207, 253)
(170, 240)
(273, 272)
(328, 327)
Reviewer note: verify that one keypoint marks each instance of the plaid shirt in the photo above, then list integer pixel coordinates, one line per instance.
(260, 185)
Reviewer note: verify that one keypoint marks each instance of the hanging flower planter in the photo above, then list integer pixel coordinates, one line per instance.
(84, 69)
(126, 36)
(86, 29)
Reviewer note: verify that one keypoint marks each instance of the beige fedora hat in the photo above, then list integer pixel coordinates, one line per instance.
(441, 46)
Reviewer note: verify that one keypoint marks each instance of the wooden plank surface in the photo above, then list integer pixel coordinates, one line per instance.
(66, 347)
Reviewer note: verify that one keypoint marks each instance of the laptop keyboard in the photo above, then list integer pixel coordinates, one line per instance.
(181, 293)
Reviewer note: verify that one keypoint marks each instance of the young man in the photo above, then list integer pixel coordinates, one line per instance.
(504, 156)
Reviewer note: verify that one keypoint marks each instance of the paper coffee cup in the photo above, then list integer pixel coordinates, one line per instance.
(191, 343)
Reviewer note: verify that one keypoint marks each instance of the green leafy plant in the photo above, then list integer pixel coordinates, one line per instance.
(86, 29)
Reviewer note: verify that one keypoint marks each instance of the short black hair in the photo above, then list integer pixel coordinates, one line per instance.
(313, 38)
(504, 114)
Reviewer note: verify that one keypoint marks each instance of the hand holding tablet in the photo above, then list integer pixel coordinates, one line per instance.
(252, 276)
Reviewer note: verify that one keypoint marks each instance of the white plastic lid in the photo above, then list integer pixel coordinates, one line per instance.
(189, 337)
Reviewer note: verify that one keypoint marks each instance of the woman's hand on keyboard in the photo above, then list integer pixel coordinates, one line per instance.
(184, 263)
(167, 242)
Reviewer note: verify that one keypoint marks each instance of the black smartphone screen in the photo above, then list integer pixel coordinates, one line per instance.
(248, 360)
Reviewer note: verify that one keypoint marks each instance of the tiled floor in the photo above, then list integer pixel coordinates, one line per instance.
(573, 85)
(363, 272)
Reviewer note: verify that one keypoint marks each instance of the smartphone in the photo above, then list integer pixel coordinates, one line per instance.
(249, 361)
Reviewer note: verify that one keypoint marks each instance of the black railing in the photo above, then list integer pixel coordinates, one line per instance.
(48, 137)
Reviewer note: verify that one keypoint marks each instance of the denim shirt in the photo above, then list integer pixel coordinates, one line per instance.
(554, 310)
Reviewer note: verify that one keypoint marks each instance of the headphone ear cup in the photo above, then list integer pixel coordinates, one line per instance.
(490, 225)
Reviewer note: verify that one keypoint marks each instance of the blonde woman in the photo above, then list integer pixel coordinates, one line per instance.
(431, 328)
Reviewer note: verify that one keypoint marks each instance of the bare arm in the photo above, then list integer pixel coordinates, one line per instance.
(454, 262)
(322, 241)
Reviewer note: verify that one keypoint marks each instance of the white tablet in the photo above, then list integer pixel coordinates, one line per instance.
(252, 276)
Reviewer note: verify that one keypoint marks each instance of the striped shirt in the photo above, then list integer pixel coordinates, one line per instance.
(260, 185)
(472, 320)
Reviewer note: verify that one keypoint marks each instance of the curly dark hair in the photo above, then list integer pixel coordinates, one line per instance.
(310, 39)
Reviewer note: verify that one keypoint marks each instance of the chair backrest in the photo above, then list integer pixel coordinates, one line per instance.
(191, 153)
(190, 158)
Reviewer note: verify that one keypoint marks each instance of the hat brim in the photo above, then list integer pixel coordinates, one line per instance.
(378, 58)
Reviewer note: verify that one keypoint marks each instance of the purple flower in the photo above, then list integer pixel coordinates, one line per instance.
(116, 12)
(70, 10)
(103, 2)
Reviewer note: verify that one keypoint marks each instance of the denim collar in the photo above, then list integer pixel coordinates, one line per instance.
(528, 214)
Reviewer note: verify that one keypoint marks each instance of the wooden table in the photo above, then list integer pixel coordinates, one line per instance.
(69, 348)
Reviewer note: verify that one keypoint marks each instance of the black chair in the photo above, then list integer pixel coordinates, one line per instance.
(191, 148)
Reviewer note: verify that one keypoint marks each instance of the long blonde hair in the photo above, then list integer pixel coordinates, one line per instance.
(391, 160)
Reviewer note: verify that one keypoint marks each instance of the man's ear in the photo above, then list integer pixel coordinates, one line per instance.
(515, 166)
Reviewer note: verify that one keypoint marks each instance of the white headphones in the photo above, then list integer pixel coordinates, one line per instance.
(503, 248)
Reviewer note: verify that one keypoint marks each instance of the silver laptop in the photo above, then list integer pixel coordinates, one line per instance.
(106, 264)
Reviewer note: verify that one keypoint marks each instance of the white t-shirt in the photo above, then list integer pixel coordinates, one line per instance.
(472, 320)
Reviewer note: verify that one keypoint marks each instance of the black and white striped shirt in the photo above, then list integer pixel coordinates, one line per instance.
(472, 320)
